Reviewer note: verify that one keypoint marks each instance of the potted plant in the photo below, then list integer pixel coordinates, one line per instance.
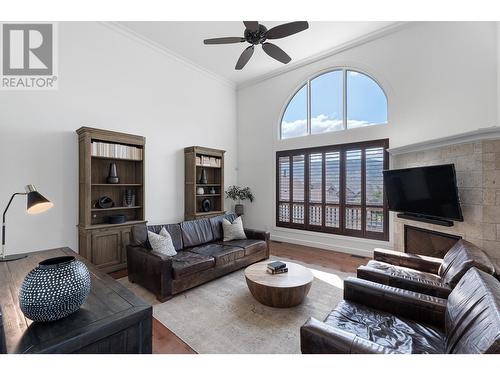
(239, 194)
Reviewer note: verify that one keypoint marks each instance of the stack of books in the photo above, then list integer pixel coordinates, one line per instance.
(277, 267)
(117, 151)
(207, 161)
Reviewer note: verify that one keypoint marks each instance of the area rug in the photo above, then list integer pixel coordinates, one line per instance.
(222, 317)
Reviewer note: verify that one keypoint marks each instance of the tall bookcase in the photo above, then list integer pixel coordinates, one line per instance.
(103, 243)
(196, 160)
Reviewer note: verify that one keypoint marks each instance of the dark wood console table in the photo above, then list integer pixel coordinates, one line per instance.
(112, 320)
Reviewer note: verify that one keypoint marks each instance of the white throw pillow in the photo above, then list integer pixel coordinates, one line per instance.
(162, 243)
(234, 230)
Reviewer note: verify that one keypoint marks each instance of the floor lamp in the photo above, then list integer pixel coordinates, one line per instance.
(36, 203)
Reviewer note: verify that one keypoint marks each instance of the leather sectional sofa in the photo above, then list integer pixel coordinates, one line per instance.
(376, 318)
(428, 275)
(201, 255)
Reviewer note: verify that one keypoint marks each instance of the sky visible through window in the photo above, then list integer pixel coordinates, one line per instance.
(366, 105)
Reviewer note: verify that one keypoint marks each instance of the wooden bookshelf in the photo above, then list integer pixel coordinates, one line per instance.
(197, 159)
(101, 242)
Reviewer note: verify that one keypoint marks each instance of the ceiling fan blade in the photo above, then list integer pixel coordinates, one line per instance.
(244, 57)
(287, 29)
(252, 25)
(276, 53)
(225, 40)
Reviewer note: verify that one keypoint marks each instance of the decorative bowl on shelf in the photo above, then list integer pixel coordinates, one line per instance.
(56, 288)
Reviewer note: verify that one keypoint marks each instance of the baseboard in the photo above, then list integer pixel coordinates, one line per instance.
(326, 246)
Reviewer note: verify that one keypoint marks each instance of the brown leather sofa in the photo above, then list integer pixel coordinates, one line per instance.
(201, 255)
(376, 319)
(428, 275)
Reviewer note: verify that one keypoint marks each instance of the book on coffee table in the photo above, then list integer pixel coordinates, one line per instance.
(276, 272)
(276, 265)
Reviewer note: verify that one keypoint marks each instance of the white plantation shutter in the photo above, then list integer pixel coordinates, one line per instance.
(334, 189)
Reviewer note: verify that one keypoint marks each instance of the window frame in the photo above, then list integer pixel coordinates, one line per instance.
(307, 84)
(341, 230)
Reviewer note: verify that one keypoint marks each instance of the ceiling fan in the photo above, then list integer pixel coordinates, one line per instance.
(255, 33)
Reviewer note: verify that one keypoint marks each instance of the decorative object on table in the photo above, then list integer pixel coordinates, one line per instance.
(277, 267)
(206, 205)
(200, 191)
(113, 174)
(104, 202)
(277, 272)
(54, 289)
(212, 190)
(239, 194)
(234, 230)
(203, 177)
(129, 198)
(36, 203)
(117, 219)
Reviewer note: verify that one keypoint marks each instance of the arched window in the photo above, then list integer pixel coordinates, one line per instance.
(337, 100)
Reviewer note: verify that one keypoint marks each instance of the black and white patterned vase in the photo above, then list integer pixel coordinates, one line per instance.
(54, 289)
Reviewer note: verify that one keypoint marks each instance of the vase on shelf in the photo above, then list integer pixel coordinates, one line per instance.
(203, 177)
(56, 288)
(113, 174)
(129, 198)
(200, 191)
(206, 205)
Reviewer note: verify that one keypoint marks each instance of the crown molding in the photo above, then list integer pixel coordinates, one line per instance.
(131, 34)
(492, 132)
(377, 34)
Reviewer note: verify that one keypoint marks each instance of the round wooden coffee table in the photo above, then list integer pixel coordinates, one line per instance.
(281, 290)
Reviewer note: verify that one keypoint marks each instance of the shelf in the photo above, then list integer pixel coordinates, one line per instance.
(201, 185)
(102, 226)
(115, 208)
(207, 195)
(111, 158)
(207, 166)
(116, 184)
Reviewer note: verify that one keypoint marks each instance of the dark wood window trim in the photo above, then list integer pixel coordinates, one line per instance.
(342, 149)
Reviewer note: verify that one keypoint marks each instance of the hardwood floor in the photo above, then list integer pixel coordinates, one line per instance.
(166, 342)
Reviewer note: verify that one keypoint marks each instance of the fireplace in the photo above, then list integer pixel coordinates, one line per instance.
(427, 242)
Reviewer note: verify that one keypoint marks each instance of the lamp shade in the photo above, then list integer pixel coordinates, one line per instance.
(36, 202)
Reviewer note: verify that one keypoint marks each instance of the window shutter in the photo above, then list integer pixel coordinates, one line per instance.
(334, 189)
(374, 160)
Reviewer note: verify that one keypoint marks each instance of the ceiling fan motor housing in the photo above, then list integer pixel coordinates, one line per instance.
(256, 37)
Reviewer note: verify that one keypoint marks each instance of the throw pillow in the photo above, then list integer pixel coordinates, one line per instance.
(162, 243)
(234, 230)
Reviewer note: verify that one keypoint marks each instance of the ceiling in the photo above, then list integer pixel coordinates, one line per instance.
(186, 39)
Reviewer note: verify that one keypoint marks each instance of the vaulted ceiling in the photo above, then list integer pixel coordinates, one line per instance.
(186, 39)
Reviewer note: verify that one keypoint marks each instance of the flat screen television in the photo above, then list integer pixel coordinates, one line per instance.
(424, 191)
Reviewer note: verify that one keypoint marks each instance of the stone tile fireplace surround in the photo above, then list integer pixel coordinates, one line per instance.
(476, 156)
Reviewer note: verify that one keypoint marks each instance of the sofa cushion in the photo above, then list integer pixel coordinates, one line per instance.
(186, 263)
(216, 224)
(404, 272)
(196, 232)
(388, 330)
(139, 236)
(472, 317)
(223, 254)
(460, 258)
(173, 229)
(250, 246)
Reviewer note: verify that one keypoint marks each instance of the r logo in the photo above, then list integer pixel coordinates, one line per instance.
(27, 49)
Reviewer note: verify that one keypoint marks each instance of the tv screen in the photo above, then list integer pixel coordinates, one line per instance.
(429, 191)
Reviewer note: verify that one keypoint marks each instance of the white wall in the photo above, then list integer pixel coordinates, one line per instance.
(107, 80)
(440, 79)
